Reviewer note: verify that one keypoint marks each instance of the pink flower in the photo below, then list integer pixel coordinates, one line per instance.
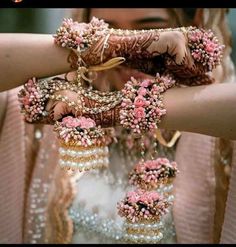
(151, 164)
(139, 101)
(139, 113)
(86, 123)
(140, 168)
(153, 195)
(25, 100)
(195, 36)
(145, 83)
(78, 40)
(142, 91)
(70, 122)
(149, 196)
(132, 196)
(143, 198)
(163, 160)
(210, 46)
(196, 55)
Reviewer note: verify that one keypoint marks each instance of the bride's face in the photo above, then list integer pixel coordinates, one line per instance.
(135, 18)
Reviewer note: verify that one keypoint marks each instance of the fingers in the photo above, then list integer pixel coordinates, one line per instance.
(188, 47)
(58, 109)
(177, 46)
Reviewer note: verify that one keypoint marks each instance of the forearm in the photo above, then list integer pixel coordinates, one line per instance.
(23, 56)
(206, 110)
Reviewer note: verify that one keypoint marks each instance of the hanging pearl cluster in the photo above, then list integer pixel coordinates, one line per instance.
(83, 160)
(83, 145)
(142, 206)
(143, 211)
(146, 207)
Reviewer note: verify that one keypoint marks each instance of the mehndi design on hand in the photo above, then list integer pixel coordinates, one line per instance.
(47, 101)
(187, 52)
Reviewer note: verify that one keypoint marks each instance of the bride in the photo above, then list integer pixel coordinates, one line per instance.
(92, 215)
(57, 202)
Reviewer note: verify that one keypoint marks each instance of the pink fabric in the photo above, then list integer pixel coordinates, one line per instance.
(27, 165)
(12, 173)
(45, 164)
(194, 189)
(228, 235)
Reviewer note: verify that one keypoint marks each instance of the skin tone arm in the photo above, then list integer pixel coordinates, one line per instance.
(206, 110)
(23, 56)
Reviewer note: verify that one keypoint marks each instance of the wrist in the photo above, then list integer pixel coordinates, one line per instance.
(142, 106)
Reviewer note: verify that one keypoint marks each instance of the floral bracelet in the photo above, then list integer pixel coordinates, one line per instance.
(142, 104)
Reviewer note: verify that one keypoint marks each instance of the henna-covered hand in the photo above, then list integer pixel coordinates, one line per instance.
(47, 101)
(58, 109)
(186, 52)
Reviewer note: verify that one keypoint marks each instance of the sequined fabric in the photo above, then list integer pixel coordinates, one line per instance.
(28, 155)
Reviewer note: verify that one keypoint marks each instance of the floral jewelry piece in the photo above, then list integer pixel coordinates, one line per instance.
(139, 106)
(83, 145)
(35, 94)
(205, 48)
(142, 211)
(32, 102)
(152, 174)
(142, 103)
(80, 36)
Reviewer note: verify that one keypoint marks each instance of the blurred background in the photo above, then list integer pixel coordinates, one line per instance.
(43, 20)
